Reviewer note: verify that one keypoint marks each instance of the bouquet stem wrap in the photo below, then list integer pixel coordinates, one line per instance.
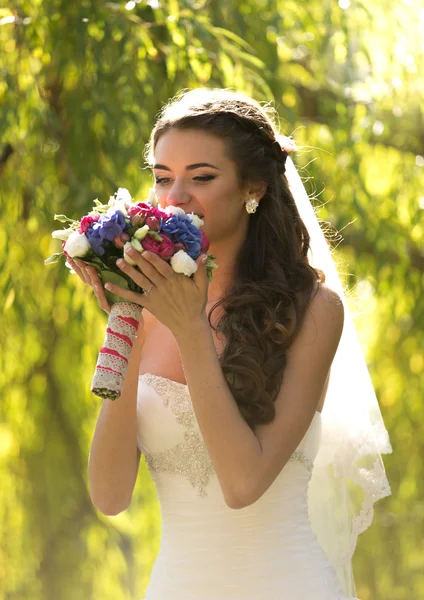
(112, 362)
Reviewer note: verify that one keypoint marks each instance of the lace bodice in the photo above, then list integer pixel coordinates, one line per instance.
(189, 456)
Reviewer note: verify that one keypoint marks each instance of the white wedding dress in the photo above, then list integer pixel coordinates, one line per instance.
(266, 551)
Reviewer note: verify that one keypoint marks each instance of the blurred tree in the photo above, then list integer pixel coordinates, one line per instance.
(80, 87)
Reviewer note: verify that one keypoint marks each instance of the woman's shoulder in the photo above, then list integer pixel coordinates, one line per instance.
(327, 307)
(325, 295)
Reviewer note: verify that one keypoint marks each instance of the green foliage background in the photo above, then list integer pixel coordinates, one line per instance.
(80, 85)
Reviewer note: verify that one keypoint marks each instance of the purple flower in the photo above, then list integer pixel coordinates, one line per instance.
(96, 240)
(111, 225)
(181, 229)
(105, 230)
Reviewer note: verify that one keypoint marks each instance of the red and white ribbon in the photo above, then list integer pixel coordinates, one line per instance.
(112, 362)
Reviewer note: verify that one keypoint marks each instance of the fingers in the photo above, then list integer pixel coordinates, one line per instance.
(99, 291)
(141, 299)
(152, 266)
(101, 298)
(80, 270)
(137, 276)
(89, 276)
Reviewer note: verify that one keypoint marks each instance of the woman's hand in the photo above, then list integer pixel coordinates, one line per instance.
(89, 276)
(174, 299)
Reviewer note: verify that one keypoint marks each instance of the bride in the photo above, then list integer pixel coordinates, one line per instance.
(248, 396)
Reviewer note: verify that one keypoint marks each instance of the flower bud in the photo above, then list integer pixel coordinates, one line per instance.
(153, 223)
(62, 234)
(141, 233)
(136, 245)
(127, 258)
(138, 220)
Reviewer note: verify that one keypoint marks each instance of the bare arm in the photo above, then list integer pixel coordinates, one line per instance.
(246, 463)
(114, 457)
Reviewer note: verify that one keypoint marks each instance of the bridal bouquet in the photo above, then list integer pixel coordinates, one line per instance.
(102, 237)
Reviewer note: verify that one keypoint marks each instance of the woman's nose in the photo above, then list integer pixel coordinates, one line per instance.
(177, 195)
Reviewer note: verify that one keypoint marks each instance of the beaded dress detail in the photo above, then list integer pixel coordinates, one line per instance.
(265, 551)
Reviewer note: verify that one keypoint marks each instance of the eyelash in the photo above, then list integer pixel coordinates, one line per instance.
(202, 179)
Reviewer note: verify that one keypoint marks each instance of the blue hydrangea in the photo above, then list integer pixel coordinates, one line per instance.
(182, 230)
(105, 230)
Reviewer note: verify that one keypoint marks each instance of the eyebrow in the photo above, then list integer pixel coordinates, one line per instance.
(189, 168)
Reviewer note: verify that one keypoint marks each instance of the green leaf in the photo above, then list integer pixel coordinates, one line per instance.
(219, 32)
(95, 262)
(54, 258)
(117, 279)
(155, 235)
(64, 219)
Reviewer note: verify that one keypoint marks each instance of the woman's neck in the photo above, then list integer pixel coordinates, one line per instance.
(225, 257)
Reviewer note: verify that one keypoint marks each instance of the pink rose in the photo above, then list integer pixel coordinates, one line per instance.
(140, 212)
(86, 223)
(153, 223)
(165, 249)
(146, 210)
(134, 209)
(205, 242)
(158, 213)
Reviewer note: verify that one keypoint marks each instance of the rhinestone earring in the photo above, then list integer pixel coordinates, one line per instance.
(251, 205)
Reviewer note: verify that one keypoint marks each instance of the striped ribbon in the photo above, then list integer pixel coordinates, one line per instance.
(112, 362)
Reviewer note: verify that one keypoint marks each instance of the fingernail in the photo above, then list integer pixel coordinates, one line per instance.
(120, 262)
(108, 286)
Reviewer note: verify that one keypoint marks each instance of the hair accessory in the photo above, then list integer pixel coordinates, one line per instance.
(283, 145)
(287, 143)
(251, 205)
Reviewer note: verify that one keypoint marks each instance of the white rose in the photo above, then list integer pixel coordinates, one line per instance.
(152, 198)
(77, 245)
(181, 262)
(174, 210)
(62, 234)
(197, 221)
(117, 205)
(123, 195)
(129, 260)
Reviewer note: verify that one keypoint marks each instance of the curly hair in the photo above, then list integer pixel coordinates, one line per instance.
(264, 307)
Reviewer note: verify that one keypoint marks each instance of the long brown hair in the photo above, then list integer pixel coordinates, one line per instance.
(264, 307)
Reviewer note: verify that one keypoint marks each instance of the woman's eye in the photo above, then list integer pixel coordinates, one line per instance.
(204, 177)
(200, 178)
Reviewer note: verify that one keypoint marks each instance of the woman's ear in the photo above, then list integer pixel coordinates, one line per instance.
(257, 189)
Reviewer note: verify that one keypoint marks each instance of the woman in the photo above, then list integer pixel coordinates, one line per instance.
(226, 391)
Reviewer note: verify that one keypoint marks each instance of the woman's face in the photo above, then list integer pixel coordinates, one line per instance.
(193, 172)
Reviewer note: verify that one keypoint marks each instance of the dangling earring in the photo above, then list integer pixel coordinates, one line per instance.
(251, 205)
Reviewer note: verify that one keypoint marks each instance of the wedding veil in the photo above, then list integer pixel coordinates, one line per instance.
(348, 475)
